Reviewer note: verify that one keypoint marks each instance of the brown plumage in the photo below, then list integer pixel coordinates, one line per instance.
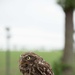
(32, 64)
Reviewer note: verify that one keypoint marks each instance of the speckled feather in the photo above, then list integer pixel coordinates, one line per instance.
(32, 64)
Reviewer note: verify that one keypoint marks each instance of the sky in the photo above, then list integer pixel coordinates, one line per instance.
(33, 24)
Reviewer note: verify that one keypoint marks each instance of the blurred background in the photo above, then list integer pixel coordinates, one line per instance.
(46, 27)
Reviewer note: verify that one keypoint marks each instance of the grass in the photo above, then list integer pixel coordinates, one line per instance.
(50, 57)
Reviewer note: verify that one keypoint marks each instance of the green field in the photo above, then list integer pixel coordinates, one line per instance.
(50, 57)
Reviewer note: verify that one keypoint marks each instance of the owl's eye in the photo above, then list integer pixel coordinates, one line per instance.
(28, 58)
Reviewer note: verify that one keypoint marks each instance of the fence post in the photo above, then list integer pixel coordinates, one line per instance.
(7, 52)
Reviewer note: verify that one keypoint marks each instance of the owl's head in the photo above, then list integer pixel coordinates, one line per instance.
(28, 59)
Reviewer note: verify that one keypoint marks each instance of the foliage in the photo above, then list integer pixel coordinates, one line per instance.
(67, 4)
(59, 67)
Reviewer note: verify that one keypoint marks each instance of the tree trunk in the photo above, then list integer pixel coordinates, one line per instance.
(68, 50)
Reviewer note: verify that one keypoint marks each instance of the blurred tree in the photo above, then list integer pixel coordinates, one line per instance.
(68, 7)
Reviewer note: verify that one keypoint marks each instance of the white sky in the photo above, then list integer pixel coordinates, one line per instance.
(33, 23)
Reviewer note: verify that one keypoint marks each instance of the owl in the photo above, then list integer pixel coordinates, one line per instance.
(32, 64)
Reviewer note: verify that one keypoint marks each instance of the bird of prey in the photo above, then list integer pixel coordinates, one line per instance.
(32, 64)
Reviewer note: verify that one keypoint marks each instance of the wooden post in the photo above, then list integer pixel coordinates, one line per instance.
(7, 53)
